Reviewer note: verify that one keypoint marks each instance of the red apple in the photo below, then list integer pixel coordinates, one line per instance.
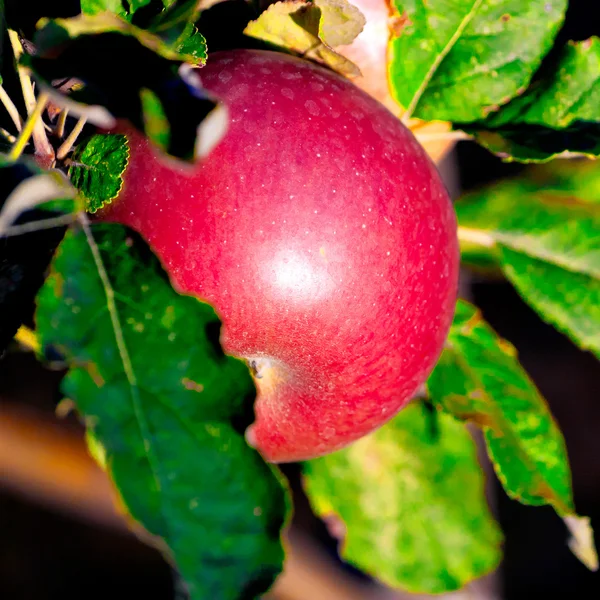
(322, 234)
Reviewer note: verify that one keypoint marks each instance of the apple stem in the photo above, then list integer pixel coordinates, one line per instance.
(255, 368)
(67, 145)
(42, 146)
(11, 109)
(443, 136)
(476, 236)
(32, 121)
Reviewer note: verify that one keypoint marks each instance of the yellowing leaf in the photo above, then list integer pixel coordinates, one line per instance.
(478, 379)
(411, 498)
(311, 29)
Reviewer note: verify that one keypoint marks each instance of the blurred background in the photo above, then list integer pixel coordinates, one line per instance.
(61, 537)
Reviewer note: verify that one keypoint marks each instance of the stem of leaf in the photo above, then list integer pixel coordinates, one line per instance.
(40, 139)
(67, 145)
(29, 128)
(477, 237)
(60, 125)
(443, 136)
(11, 109)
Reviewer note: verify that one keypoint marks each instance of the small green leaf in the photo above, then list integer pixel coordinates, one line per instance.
(457, 61)
(169, 409)
(546, 241)
(478, 379)
(156, 123)
(97, 168)
(412, 500)
(559, 114)
(311, 29)
(191, 44)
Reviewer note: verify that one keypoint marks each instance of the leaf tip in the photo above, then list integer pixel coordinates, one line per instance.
(581, 543)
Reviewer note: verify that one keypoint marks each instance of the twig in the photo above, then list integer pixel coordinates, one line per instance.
(60, 125)
(42, 225)
(40, 139)
(32, 121)
(67, 145)
(11, 109)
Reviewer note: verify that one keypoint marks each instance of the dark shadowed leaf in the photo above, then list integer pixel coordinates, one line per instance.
(458, 61)
(105, 53)
(169, 409)
(23, 16)
(410, 503)
(35, 207)
(170, 22)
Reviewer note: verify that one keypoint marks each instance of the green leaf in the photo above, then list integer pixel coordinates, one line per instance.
(564, 179)
(457, 61)
(478, 379)
(101, 50)
(96, 169)
(568, 300)
(169, 408)
(311, 29)
(170, 22)
(191, 44)
(96, 7)
(546, 241)
(411, 497)
(57, 31)
(156, 122)
(559, 114)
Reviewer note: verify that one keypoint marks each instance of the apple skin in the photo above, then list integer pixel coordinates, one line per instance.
(322, 234)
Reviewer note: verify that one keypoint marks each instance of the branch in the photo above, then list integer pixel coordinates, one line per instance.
(60, 124)
(66, 146)
(33, 121)
(11, 109)
(43, 147)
